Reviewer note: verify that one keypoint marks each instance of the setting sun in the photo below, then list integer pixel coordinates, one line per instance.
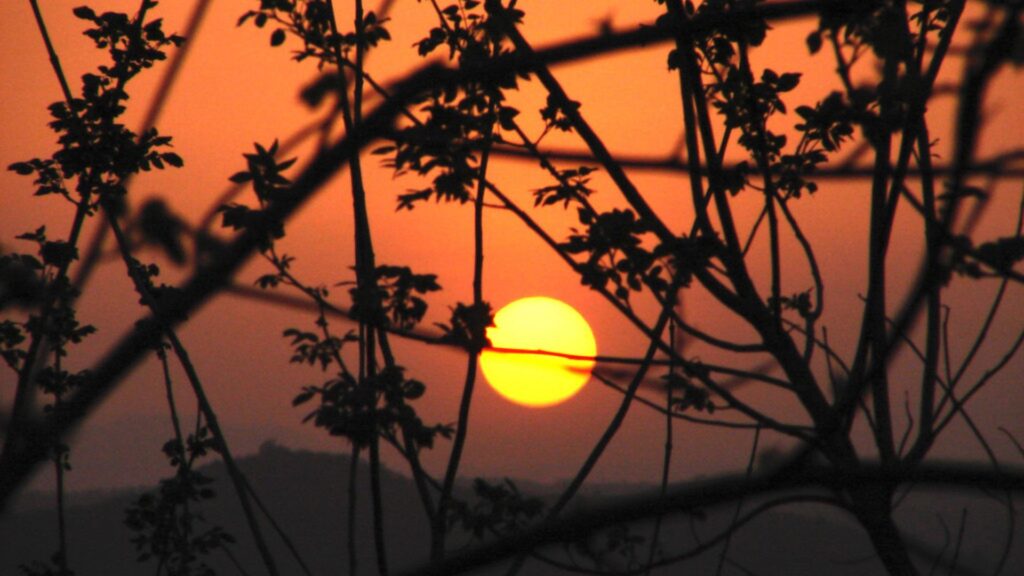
(536, 380)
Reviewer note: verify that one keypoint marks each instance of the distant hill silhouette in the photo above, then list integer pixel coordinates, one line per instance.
(306, 491)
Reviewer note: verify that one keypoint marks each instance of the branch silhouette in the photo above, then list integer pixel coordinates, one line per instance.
(861, 434)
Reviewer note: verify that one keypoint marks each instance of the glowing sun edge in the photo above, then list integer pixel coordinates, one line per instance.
(535, 380)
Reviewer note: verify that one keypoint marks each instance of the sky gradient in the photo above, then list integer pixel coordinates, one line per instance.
(235, 90)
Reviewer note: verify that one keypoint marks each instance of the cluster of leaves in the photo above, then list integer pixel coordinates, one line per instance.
(993, 258)
(167, 524)
(94, 148)
(824, 128)
(445, 144)
(162, 297)
(395, 297)
(265, 173)
(310, 348)
(459, 118)
(572, 187)
(12, 337)
(744, 103)
(379, 405)
(498, 510)
(58, 382)
(53, 253)
(468, 326)
(98, 153)
(876, 27)
(554, 114)
(132, 46)
(747, 104)
(799, 302)
(877, 30)
(313, 23)
(24, 278)
(687, 395)
(613, 243)
(470, 33)
(61, 327)
(717, 43)
(270, 185)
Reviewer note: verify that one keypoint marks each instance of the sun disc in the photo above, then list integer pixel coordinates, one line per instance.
(536, 380)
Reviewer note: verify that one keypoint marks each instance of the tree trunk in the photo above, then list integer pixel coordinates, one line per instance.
(872, 504)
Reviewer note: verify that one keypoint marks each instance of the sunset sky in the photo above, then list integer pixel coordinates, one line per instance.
(236, 90)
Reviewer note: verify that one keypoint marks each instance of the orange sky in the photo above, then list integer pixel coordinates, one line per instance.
(236, 90)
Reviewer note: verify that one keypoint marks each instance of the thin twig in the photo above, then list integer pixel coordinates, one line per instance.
(237, 478)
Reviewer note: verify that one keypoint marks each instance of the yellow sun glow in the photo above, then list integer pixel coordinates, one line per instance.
(536, 380)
